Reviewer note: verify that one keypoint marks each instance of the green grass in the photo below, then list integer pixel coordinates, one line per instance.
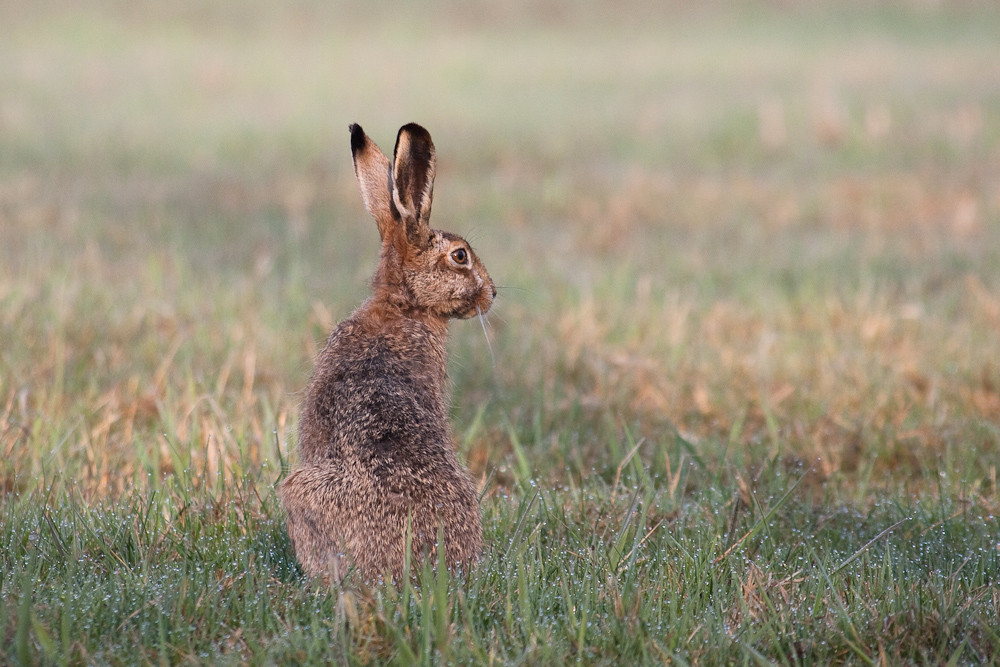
(651, 569)
(746, 399)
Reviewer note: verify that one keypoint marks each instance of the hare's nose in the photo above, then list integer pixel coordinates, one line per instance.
(493, 287)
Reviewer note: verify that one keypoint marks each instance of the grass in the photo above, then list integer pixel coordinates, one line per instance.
(746, 399)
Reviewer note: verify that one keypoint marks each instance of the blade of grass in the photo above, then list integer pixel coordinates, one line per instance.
(621, 466)
(844, 613)
(763, 519)
(520, 523)
(869, 544)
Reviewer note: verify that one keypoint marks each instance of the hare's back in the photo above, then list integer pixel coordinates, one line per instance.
(369, 395)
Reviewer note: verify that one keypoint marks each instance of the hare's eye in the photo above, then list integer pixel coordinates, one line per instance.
(460, 256)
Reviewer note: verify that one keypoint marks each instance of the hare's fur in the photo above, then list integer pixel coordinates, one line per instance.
(377, 468)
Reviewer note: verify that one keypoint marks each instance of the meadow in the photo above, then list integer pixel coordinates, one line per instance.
(740, 401)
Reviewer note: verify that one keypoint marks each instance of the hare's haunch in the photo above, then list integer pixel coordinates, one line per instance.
(377, 468)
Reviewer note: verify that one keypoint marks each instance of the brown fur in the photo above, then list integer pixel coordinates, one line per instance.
(376, 461)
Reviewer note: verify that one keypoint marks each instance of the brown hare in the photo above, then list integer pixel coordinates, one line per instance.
(377, 467)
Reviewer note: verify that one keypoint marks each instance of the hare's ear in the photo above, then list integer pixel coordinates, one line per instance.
(371, 167)
(413, 182)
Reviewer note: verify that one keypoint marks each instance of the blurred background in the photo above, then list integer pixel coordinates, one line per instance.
(770, 227)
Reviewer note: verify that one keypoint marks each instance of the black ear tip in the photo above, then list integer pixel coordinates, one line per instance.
(357, 137)
(416, 131)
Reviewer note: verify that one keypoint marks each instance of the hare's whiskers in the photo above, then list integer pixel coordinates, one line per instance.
(488, 343)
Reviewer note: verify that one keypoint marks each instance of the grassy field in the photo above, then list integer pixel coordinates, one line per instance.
(745, 404)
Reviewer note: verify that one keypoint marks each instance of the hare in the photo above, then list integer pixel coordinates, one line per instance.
(377, 468)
